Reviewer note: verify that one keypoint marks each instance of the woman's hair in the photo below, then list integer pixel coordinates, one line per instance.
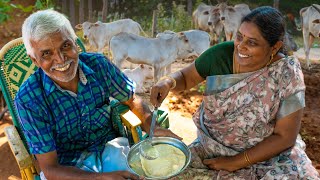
(269, 21)
(43, 23)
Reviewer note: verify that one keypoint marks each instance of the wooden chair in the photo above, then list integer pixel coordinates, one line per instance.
(15, 68)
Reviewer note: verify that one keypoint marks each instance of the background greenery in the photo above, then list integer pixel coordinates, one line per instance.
(172, 15)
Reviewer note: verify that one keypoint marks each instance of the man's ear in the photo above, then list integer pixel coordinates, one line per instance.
(34, 60)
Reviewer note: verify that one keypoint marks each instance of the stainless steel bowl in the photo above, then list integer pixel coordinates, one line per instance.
(134, 155)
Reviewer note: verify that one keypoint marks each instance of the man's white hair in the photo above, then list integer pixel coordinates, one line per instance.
(43, 23)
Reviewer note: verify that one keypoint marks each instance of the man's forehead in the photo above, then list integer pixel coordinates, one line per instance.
(55, 39)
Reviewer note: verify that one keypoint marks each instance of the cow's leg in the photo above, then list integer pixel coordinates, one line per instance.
(228, 35)
(311, 39)
(118, 61)
(156, 73)
(306, 45)
(100, 49)
(168, 70)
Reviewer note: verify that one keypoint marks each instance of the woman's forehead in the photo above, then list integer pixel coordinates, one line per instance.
(250, 30)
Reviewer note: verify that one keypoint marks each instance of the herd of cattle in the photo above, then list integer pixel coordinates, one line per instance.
(123, 38)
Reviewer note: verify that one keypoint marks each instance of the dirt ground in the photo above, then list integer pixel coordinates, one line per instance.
(181, 106)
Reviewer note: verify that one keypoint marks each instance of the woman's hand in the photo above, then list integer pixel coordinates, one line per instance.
(222, 163)
(160, 91)
(165, 132)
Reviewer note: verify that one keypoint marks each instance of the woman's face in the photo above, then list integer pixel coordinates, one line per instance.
(252, 51)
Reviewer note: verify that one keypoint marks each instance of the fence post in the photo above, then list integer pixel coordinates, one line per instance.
(189, 7)
(64, 7)
(90, 11)
(81, 11)
(104, 11)
(72, 12)
(154, 23)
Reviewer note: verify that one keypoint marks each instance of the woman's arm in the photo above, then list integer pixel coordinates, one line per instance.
(283, 137)
(186, 78)
(181, 80)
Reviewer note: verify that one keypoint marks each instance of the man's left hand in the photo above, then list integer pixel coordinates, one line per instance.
(165, 132)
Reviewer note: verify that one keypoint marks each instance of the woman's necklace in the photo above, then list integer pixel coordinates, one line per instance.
(236, 67)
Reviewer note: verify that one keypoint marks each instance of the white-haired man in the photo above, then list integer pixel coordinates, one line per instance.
(64, 106)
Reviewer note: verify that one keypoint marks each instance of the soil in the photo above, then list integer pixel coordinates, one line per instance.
(180, 105)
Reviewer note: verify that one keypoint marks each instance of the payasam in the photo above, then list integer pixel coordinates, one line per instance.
(170, 161)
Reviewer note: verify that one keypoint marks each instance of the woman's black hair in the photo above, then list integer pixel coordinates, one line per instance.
(269, 21)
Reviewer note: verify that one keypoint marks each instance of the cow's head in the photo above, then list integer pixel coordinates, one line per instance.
(224, 10)
(86, 27)
(214, 17)
(316, 27)
(183, 46)
(289, 44)
(146, 71)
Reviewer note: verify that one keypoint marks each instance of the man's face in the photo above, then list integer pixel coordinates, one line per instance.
(57, 56)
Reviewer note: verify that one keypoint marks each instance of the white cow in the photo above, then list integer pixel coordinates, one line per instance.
(200, 18)
(156, 52)
(310, 17)
(199, 40)
(139, 76)
(231, 17)
(215, 24)
(99, 34)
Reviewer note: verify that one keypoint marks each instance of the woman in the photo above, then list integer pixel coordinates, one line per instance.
(250, 117)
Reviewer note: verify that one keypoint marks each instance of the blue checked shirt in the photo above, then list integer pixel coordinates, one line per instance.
(56, 119)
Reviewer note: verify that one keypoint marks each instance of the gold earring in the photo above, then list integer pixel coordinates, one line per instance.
(270, 60)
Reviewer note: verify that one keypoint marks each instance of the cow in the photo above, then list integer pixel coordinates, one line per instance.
(310, 17)
(231, 17)
(215, 24)
(199, 40)
(156, 52)
(289, 44)
(200, 18)
(99, 34)
(139, 76)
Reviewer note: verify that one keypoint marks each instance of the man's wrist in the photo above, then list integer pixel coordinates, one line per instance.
(172, 80)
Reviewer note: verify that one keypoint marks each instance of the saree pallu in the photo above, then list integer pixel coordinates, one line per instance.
(240, 110)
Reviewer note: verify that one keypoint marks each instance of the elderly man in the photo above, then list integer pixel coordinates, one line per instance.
(64, 106)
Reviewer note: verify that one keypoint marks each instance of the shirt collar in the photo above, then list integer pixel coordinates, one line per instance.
(50, 86)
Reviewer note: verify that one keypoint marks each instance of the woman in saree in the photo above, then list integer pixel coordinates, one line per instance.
(249, 120)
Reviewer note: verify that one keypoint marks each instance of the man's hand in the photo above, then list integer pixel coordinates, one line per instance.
(121, 175)
(222, 163)
(165, 132)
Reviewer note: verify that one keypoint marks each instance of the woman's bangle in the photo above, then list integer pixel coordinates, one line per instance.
(174, 82)
(246, 157)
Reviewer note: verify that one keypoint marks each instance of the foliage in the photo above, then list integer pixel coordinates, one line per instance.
(44, 4)
(5, 8)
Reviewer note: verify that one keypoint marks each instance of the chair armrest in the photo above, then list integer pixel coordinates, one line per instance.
(131, 121)
(22, 156)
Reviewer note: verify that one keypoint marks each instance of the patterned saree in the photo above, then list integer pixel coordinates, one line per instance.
(240, 110)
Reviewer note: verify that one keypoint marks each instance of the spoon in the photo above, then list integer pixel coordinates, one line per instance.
(146, 148)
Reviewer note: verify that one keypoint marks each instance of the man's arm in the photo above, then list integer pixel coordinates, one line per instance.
(52, 170)
(142, 111)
